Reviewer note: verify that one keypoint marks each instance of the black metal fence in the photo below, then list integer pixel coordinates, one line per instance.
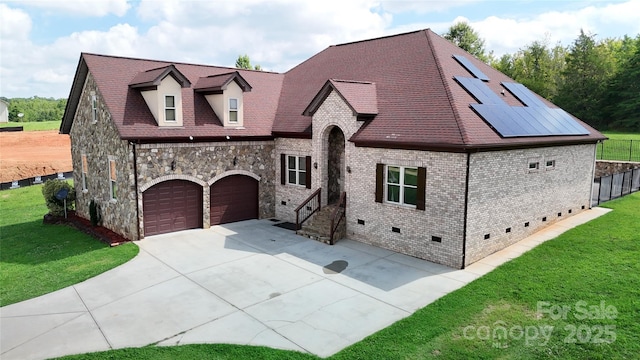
(617, 149)
(614, 186)
(35, 180)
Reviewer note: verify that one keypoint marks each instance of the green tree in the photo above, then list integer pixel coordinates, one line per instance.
(585, 79)
(622, 109)
(463, 36)
(243, 62)
(537, 66)
(36, 109)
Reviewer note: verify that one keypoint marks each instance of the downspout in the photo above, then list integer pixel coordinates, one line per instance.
(466, 206)
(593, 174)
(135, 181)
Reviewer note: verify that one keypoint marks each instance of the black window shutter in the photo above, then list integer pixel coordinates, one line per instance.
(283, 169)
(422, 179)
(379, 182)
(308, 173)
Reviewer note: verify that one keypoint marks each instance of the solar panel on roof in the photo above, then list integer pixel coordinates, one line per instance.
(523, 94)
(533, 119)
(480, 91)
(470, 67)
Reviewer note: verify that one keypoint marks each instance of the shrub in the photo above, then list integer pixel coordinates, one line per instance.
(49, 191)
(94, 213)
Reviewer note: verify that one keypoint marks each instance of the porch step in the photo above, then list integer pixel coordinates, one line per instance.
(318, 227)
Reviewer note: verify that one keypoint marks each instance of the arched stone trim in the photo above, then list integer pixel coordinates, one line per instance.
(164, 178)
(233, 172)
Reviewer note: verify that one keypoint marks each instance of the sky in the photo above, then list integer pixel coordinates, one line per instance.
(41, 40)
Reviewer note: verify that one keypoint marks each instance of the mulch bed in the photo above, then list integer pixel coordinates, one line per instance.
(98, 232)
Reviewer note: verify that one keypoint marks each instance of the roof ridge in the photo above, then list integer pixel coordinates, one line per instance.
(381, 37)
(456, 114)
(178, 63)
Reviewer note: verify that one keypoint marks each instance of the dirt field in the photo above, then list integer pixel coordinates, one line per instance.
(26, 154)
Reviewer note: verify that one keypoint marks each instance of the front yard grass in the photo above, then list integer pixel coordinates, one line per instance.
(551, 288)
(36, 259)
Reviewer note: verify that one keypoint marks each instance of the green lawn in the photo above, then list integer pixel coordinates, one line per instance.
(36, 259)
(620, 146)
(621, 135)
(34, 126)
(595, 265)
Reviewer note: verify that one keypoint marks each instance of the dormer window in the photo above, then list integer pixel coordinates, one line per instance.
(161, 89)
(225, 95)
(169, 108)
(233, 110)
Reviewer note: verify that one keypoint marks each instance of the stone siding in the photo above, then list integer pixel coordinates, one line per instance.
(100, 141)
(608, 167)
(504, 194)
(206, 163)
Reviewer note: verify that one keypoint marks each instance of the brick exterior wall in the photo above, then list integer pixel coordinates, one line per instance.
(99, 141)
(443, 216)
(288, 197)
(505, 194)
(206, 163)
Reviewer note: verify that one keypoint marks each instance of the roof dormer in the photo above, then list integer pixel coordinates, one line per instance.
(161, 89)
(224, 93)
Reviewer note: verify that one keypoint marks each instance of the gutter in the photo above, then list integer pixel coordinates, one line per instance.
(466, 207)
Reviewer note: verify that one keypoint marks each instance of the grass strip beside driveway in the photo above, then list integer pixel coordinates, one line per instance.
(36, 259)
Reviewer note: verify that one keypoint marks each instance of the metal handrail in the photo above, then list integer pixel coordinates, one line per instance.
(339, 212)
(306, 210)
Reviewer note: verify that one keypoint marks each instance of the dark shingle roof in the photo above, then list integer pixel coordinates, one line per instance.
(361, 96)
(419, 103)
(133, 118)
(406, 81)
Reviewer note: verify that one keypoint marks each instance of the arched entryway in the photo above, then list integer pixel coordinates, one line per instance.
(172, 206)
(335, 165)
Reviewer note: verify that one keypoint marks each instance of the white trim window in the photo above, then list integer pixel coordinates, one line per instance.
(550, 164)
(296, 170)
(233, 110)
(94, 108)
(169, 108)
(85, 171)
(113, 185)
(401, 185)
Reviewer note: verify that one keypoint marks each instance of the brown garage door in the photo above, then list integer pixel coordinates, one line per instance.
(172, 206)
(234, 198)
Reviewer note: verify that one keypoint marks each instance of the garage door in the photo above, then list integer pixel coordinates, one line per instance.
(234, 198)
(172, 206)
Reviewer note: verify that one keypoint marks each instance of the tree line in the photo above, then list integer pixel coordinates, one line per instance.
(36, 109)
(597, 81)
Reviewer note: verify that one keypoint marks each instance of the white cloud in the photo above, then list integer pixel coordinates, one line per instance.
(277, 34)
(508, 35)
(15, 24)
(423, 7)
(81, 7)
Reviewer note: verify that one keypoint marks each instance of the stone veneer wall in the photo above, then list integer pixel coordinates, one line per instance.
(505, 194)
(99, 141)
(610, 167)
(206, 163)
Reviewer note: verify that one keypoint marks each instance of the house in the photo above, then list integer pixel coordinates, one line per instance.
(440, 156)
(4, 111)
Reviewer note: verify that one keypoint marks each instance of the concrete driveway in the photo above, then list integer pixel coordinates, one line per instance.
(244, 283)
